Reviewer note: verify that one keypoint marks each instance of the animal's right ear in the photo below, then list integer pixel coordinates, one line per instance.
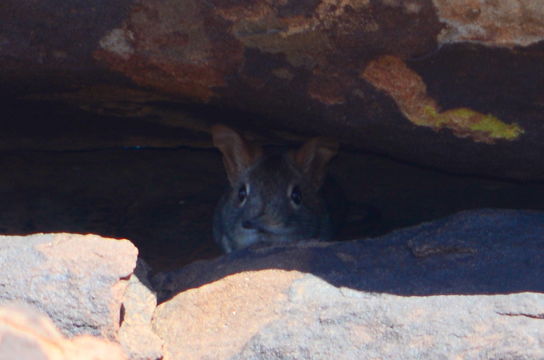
(314, 156)
(238, 153)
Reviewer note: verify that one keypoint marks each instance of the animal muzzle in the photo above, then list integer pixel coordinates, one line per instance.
(264, 224)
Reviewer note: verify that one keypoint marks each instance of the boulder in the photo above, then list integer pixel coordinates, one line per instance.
(467, 286)
(27, 334)
(78, 280)
(135, 334)
(453, 85)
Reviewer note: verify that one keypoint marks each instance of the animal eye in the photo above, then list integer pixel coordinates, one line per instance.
(296, 195)
(242, 193)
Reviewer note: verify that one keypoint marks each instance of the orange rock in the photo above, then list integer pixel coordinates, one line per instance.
(25, 334)
(78, 280)
(465, 287)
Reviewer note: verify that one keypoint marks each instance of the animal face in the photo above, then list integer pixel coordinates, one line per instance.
(271, 198)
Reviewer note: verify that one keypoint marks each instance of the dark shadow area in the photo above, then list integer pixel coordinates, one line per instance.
(162, 198)
(472, 253)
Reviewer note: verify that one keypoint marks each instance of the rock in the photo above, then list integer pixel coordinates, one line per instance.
(485, 22)
(217, 320)
(467, 286)
(26, 334)
(136, 335)
(78, 280)
(462, 77)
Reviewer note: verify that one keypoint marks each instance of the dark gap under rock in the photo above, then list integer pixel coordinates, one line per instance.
(162, 198)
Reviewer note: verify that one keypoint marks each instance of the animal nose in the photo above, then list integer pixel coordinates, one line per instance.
(261, 223)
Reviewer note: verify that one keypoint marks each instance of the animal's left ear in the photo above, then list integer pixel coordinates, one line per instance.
(238, 153)
(314, 155)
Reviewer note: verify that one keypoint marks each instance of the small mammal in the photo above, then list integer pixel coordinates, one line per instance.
(271, 197)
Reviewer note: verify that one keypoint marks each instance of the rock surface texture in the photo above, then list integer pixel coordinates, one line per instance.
(26, 334)
(467, 287)
(135, 334)
(78, 280)
(454, 85)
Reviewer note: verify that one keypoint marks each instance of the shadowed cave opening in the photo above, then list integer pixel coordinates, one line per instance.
(68, 169)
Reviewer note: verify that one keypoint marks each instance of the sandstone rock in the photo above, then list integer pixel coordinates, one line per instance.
(304, 67)
(499, 23)
(26, 334)
(136, 335)
(468, 286)
(78, 280)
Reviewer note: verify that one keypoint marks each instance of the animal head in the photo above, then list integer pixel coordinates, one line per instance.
(271, 198)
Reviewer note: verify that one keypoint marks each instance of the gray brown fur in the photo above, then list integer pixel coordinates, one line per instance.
(268, 214)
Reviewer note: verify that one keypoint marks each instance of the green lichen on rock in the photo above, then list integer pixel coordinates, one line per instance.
(487, 127)
(407, 88)
(496, 128)
(431, 117)
(466, 122)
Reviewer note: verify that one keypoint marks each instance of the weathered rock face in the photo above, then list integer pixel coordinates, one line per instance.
(468, 286)
(88, 285)
(78, 280)
(496, 23)
(26, 334)
(163, 200)
(139, 302)
(449, 84)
